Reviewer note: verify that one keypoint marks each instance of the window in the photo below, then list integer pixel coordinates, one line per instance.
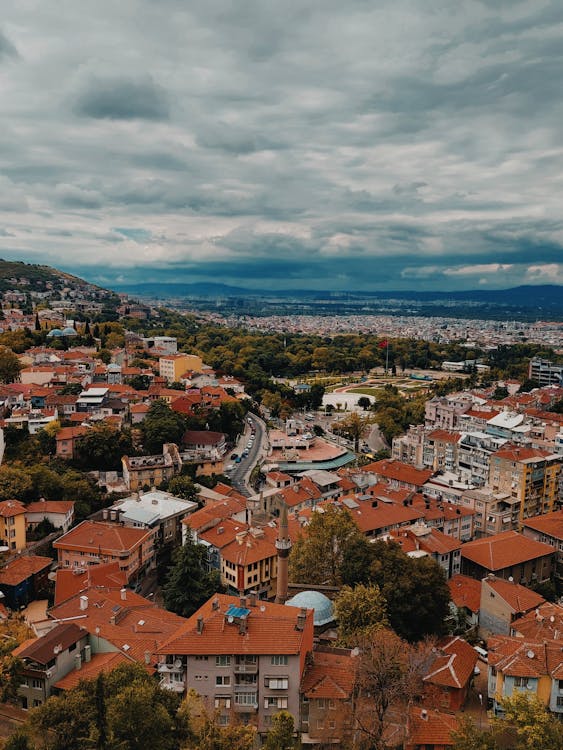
(36, 702)
(277, 683)
(521, 682)
(222, 679)
(321, 703)
(24, 682)
(559, 702)
(560, 685)
(332, 724)
(245, 699)
(280, 660)
(331, 703)
(223, 720)
(38, 684)
(320, 724)
(222, 661)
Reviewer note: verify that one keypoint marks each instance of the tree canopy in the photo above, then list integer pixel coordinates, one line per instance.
(161, 425)
(189, 584)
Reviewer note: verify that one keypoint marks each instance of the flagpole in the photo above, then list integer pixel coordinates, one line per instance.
(387, 356)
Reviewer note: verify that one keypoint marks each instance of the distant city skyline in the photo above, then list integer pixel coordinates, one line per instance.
(396, 144)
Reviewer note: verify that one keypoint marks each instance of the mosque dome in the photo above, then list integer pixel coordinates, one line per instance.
(55, 333)
(321, 604)
(69, 332)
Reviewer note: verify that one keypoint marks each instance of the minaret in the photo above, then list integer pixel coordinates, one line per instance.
(283, 546)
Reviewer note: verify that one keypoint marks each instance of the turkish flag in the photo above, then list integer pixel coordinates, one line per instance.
(382, 344)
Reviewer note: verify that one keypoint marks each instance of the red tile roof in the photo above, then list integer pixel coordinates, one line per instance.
(544, 623)
(503, 550)
(103, 537)
(550, 524)
(68, 582)
(50, 506)
(271, 629)
(465, 592)
(519, 598)
(11, 508)
(21, 568)
(91, 669)
(251, 546)
(429, 727)
(398, 471)
(330, 675)
(444, 436)
(70, 433)
(518, 453)
(41, 650)
(454, 663)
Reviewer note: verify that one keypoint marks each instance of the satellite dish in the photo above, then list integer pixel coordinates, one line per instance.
(178, 663)
(530, 654)
(230, 619)
(552, 619)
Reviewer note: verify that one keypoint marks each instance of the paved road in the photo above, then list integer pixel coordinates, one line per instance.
(241, 471)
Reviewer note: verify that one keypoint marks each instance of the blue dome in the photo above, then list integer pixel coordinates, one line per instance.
(55, 332)
(69, 332)
(324, 608)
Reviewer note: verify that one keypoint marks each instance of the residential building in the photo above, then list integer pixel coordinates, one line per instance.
(156, 510)
(12, 525)
(409, 448)
(45, 660)
(327, 696)
(441, 450)
(398, 474)
(23, 578)
(501, 603)
(466, 599)
(445, 550)
(58, 512)
(548, 529)
(519, 665)
(94, 542)
(474, 451)
(450, 675)
(508, 555)
(429, 729)
(67, 438)
(250, 562)
(545, 372)
(144, 472)
(495, 512)
(243, 656)
(545, 623)
(529, 475)
(173, 366)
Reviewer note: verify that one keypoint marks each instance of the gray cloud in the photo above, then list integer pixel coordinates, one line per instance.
(122, 99)
(342, 145)
(7, 49)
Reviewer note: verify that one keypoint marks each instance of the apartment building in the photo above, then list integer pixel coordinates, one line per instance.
(144, 472)
(12, 525)
(529, 475)
(548, 529)
(95, 542)
(545, 372)
(245, 657)
(495, 512)
(173, 366)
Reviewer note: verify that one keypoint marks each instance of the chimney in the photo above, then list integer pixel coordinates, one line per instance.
(123, 593)
(253, 598)
(243, 602)
(301, 619)
(147, 657)
(87, 653)
(374, 503)
(242, 626)
(83, 603)
(77, 662)
(200, 625)
(424, 714)
(215, 603)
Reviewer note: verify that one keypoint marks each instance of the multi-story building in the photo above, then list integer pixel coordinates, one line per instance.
(144, 472)
(95, 542)
(58, 512)
(501, 603)
(246, 658)
(545, 372)
(509, 555)
(173, 366)
(495, 512)
(474, 452)
(409, 447)
(529, 475)
(12, 525)
(519, 665)
(548, 529)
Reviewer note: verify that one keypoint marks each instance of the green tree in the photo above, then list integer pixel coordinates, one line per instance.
(161, 425)
(10, 365)
(137, 719)
(102, 447)
(531, 722)
(18, 741)
(67, 719)
(189, 585)
(15, 482)
(359, 612)
(281, 736)
(317, 558)
(469, 737)
(184, 487)
(364, 402)
(353, 426)
(203, 731)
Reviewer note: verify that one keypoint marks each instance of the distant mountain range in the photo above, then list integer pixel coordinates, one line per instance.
(545, 296)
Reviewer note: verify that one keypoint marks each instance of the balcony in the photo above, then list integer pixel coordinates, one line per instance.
(167, 668)
(175, 687)
(246, 668)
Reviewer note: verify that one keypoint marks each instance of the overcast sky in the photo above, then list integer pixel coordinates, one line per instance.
(335, 144)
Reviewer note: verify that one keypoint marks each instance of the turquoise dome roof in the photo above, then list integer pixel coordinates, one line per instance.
(69, 332)
(321, 604)
(55, 332)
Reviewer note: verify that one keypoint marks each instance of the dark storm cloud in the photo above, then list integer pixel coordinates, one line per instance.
(343, 145)
(122, 99)
(7, 49)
